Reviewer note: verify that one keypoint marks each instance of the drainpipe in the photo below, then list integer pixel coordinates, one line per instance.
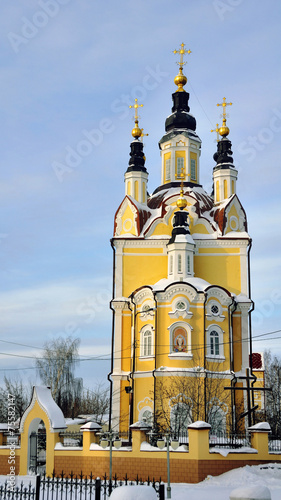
(231, 349)
(133, 366)
(250, 326)
(205, 377)
(155, 359)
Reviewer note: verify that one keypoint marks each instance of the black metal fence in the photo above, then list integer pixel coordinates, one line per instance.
(229, 440)
(274, 443)
(73, 488)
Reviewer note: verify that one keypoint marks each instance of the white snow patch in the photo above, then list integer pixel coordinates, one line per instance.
(142, 492)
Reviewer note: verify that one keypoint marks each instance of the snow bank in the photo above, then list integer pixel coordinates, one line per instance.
(142, 492)
(251, 493)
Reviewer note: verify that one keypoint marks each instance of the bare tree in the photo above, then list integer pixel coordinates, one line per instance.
(56, 370)
(16, 392)
(95, 403)
(272, 375)
(196, 395)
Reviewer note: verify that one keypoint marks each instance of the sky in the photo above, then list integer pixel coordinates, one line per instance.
(68, 72)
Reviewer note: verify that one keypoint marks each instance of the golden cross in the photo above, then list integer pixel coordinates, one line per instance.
(136, 106)
(142, 134)
(224, 104)
(217, 131)
(182, 52)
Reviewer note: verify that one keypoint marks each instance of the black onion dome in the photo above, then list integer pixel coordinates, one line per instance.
(180, 118)
(180, 225)
(224, 153)
(137, 159)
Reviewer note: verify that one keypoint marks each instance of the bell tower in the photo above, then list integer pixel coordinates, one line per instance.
(180, 146)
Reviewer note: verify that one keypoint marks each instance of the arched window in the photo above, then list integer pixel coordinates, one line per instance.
(215, 342)
(146, 341)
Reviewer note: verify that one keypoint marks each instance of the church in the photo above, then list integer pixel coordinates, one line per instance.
(181, 337)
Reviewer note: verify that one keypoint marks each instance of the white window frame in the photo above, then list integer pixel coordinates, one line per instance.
(213, 356)
(180, 165)
(144, 344)
(168, 169)
(192, 169)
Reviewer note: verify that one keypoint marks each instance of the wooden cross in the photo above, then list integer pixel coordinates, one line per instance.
(224, 104)
(217, 131)
(182, 52)
(249, 391)
(136, 106)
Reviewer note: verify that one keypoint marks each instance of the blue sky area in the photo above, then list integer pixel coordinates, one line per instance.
(69, 69)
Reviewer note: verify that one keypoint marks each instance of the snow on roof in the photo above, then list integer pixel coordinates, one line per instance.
(198, 283)
(261, 426)
(45, 400)
(200, 424)
(90, 426)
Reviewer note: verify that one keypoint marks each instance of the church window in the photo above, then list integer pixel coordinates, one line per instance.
(215, 309)
(232, 187)
(129, 188)
(168, 169)
(137, 190)
(146, 342)
(171, 264)
(180, 166)
(217, 191)
(225, 188)
(193, 169)
(188, 263)
(214, 343)
(180, 305)
(179, 264)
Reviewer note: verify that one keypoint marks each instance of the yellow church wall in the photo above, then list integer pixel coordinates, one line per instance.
(124, 405)
(140, 270)
(237, 347)
(197, 228)
(220, 270)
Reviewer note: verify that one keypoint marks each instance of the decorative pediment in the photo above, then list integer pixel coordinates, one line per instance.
(127, 219)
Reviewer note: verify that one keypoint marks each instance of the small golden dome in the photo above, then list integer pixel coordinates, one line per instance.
(180, 80)
(181, 203)
(136, 132)
(224, 131)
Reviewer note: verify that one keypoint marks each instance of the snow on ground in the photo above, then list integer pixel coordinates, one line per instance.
(219, 487)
